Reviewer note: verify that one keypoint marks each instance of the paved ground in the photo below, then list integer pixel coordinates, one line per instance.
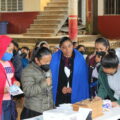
(87, 40)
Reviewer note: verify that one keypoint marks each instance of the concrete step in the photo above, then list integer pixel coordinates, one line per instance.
(42, 26)
(47, 21)
(50, 20)
(50, 17)
(40, 31)
(57, 5)
(59, 1)
(61, 14)
(38, 34)
(52, 12)
(56, 8)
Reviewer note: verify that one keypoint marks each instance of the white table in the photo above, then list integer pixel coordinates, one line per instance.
(113, 114)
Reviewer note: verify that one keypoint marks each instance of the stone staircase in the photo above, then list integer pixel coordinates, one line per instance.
(49, 22)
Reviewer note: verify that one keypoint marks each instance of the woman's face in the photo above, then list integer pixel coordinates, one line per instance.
(81, 49)
(44, 60)
(27, 52)
(99, 47)
(67, 49)
(110, 71)
(10, 48)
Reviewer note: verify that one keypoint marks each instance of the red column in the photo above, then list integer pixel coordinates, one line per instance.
(89, 11)
(73, 19)
(89, 16)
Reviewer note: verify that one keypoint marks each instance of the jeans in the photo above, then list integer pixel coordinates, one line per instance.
(9, 110)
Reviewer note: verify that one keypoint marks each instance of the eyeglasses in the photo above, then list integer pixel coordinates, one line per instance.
(111, 74)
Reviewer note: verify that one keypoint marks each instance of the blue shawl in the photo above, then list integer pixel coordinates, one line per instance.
(80, 88)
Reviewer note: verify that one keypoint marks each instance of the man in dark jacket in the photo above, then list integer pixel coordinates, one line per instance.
(17, 62)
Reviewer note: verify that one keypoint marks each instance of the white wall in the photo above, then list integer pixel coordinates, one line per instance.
(31, 5)
(43, 4)
(84, 12)
(34, 5)
(100, 7)
(73, 7)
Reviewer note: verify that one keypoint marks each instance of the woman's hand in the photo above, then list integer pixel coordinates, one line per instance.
(98, 59)
(115, 104)
(17, 83)
(98, 98)
(48, 80)
(64, 90)
(69, 90)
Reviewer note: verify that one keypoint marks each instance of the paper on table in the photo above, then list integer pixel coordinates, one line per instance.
(83, 113)
(35, 118)
(15, 90)
(65, 112)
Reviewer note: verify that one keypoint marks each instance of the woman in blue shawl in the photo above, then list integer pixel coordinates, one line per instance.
(69, 74)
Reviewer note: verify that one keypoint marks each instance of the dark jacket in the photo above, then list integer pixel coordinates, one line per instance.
(38, 95)
(17, 63)
(25, 62)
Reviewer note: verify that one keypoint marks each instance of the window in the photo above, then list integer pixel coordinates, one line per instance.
(11, 5)
(112, 7)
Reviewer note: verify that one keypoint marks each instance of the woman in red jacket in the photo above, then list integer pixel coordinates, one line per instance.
(7, 108)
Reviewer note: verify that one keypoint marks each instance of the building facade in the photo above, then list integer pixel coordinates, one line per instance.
(20, 13)
(109, 18)
(100, 16)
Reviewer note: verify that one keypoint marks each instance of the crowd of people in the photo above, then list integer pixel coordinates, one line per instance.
(48, 79)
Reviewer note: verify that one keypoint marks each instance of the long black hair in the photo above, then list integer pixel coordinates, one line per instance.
(104, 41)
(79, 46)
(40, 52)
(110, 60)
(64, 39)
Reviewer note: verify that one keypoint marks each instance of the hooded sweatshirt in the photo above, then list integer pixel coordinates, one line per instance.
(4, 43)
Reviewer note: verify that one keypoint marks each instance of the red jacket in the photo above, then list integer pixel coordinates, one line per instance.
(4, 43)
